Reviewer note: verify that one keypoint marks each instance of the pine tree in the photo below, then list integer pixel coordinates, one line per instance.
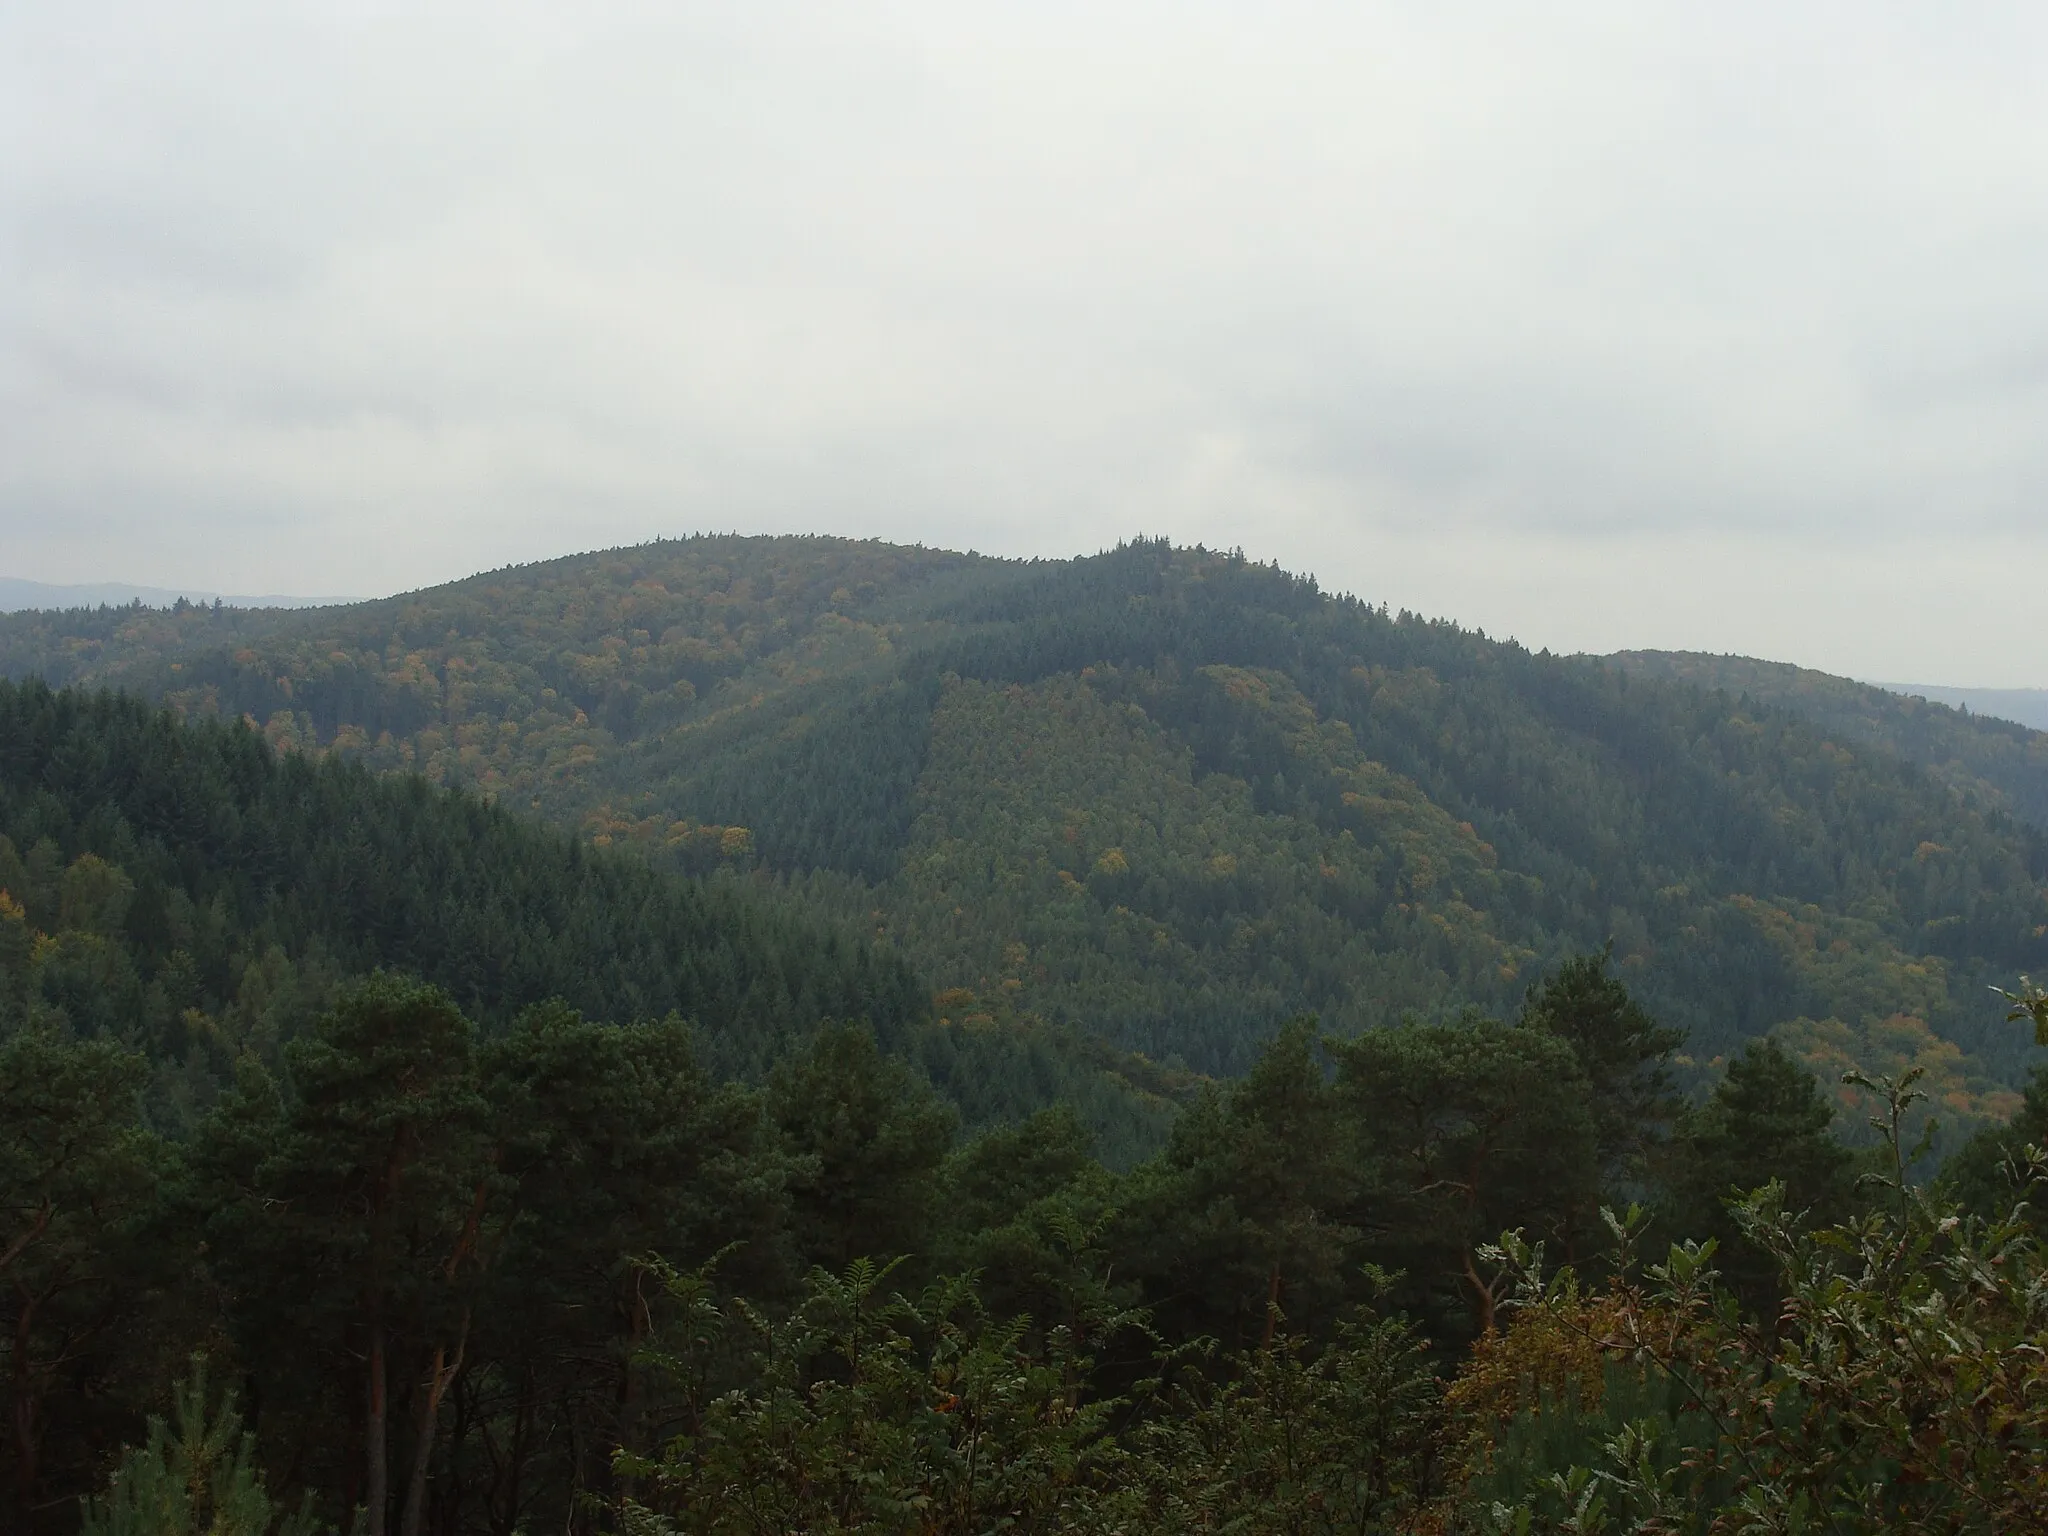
(194, 1476)
(1766, 1120)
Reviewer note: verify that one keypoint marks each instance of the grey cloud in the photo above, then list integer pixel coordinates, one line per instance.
(386, 294)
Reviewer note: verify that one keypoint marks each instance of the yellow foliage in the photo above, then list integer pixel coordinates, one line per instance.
(1891, 1046)
(1556, 1350)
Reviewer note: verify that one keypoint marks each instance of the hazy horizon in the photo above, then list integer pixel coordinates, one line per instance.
(1605, 327)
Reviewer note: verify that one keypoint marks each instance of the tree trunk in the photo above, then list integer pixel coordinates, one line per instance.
(640, 1323)
(1482, 1293)
(458, 1438)
(522, 1421)
(376, 1465)
(24, 1416)
(439, 1375)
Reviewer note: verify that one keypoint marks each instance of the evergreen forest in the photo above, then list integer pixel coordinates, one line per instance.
(766, 1036)
(1159, 799)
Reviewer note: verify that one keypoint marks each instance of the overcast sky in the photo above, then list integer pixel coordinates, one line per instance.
(1600, 325)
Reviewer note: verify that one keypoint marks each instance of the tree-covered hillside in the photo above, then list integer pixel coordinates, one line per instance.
(1167, 797)
(2000, 762)
(192, 893)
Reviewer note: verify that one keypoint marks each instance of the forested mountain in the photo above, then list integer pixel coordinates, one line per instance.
(510, 1183)
(1166, 797)
(1998, 761)
(190, 892)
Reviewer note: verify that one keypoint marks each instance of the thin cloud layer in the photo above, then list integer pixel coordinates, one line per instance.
(1601, 325)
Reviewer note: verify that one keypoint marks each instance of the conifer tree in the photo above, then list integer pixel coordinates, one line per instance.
(81, 1184)
(1766, 1120)
(866, 1137)
(195, 1475)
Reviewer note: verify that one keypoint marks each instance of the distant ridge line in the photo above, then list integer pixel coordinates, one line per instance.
(2022, 706)
(17, 596)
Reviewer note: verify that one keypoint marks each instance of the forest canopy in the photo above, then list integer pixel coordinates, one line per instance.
(196, 895)
(422, 1277)
(1163, 798)
(374, 1156)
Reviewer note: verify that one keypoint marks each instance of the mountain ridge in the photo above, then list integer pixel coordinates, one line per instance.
(1165, 796)
(2021, 706)
(18, 595)
(2002, 760)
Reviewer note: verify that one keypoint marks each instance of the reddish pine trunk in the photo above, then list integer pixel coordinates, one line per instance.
(439, 1375)
(376, 1465)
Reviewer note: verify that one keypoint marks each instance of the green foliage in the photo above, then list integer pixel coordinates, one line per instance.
(83, 1279)
(864, 1411)
(188, 891)
(1765, 1121)
(1558, 1432)
(364, 1191)
(194, 1476)
(1344, 1440)
(442, 1230)
(2029, 1003)
(495, 1166)
(547, 1280)
(1897, 1387)
(1003, 1173)
(1999, 762)
(1244, 1210)
(867, 1138)
(870, 1412)
(1623, 1054)
(460, 1234)
(1458, 1125)
(607, 1144)
(1166, 797)
(167, 864)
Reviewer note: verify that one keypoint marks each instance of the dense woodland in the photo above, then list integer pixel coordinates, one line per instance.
(768, 1036)
(427, 1256)
(197, 895)
(1996, 762)
(1164, 798)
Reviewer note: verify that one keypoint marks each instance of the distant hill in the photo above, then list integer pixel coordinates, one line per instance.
(17, 595)
(2022, 706)
(1169, 796)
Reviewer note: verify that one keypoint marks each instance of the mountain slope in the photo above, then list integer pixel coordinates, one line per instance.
(187, 891)
(178, 857)
(1167, 796)
(2000, 761)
